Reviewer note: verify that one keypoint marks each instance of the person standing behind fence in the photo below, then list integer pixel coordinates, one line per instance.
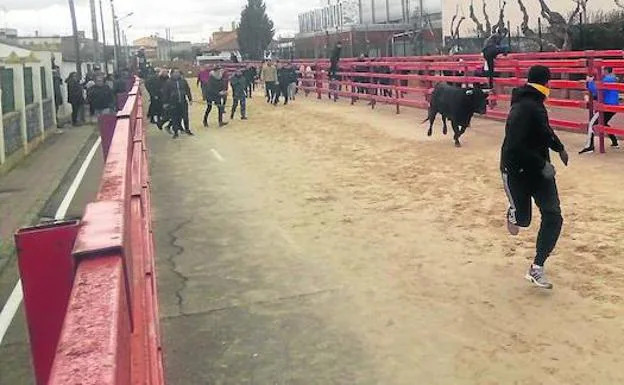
(492, 48)
(177, 95)
(214, 93)
(527, 171)
(269, 76)
(101, 98)
(75, 96)
(610, 98)
(239, 94)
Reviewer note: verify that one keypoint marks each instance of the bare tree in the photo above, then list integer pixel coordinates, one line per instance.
(559, 26)
(501, 19)
(480, 30)
(529, 33)
(488, 25)
(619, 3)
(453, 21)
(455, 29)
(459, 23)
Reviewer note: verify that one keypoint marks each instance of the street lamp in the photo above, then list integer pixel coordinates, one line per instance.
(116, 35)
(125, 41)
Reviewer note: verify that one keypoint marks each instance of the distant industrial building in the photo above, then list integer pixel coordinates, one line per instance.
(371, 27)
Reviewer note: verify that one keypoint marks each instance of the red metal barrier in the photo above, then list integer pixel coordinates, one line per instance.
(46, 269)
(110, 330)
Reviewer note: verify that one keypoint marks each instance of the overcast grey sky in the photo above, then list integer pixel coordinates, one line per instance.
(193, 20)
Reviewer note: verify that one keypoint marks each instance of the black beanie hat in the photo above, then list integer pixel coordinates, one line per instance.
(539, 75)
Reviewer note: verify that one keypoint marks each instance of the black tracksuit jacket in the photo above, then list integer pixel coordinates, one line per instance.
(528, 135)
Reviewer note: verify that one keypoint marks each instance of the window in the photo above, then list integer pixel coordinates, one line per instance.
(29, 93)
(44, 84)
(8, 92)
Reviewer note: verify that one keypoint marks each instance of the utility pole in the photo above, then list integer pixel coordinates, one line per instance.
(104, 53)
(72, 11)
(94, 28)
(120, 54)
(115, 38)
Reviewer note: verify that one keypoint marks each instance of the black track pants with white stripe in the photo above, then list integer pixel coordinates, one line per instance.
(521, 189)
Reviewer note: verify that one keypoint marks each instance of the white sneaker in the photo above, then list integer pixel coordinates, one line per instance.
(512, 227)
(536, 276)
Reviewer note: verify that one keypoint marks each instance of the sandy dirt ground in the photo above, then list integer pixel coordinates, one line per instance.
(393, 246)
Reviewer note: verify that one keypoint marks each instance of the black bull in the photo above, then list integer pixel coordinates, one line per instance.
(457, 105)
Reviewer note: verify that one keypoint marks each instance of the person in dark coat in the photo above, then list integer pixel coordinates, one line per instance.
(492, 48)
(177, 94)
(215, 91)
(150, 83)
(250, 74)
(101, 98)
(293, 77)
(334, 60)
(57, 82)
(527, 171)
(155, 87)
(283, 79)
(239, 94)
(225, 79)
(75, 96)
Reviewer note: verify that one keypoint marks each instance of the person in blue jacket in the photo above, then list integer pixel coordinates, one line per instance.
(610, 98)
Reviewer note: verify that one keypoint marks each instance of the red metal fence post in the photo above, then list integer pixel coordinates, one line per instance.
(47, 271)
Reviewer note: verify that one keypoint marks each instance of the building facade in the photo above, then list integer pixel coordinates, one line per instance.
(374, 28)
(396, 11)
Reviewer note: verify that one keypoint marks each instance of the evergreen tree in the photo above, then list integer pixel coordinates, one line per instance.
(255, 31)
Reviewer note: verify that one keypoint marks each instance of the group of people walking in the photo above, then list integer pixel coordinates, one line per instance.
(171, 96)
(97, 91)
(280, 80)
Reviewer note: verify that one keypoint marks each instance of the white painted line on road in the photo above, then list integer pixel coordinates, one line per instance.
(17, 295)
(73, 188)
(10, 308)
(217, 155)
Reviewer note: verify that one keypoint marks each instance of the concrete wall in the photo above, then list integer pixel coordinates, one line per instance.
(512, 12)
(23, 129)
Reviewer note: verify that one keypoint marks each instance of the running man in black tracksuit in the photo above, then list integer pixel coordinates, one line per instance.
(527, 171)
